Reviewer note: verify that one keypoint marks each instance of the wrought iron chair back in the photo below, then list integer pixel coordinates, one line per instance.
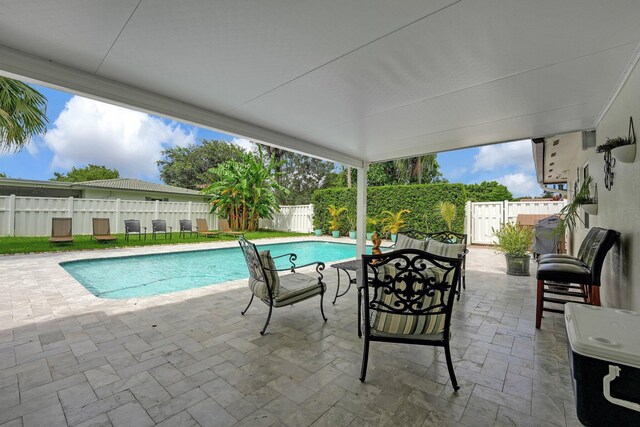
(408, 298)
(133, 226)
(186, 227)
(160, 226)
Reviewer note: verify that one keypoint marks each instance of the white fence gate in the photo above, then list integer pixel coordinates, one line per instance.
(31, 216)
(482, 217)
(298, 218)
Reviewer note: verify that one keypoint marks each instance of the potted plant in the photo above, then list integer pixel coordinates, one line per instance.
(371, 227)
(392, 222)
(625, 147)
(570, 214)
(317, 225)
(351, 217)
(515, 242)
(448, 213)
(334, 222)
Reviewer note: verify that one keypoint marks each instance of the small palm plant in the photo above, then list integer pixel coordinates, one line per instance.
(334, 222)
(448, 213)
(392, 222)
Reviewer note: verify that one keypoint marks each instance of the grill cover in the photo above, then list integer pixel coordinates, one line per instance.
(547, 239)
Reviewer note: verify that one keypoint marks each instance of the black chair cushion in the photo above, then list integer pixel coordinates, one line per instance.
(565, 272)
(560, 258)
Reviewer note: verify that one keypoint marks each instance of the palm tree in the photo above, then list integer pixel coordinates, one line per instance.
(413, 168)
(22, 114)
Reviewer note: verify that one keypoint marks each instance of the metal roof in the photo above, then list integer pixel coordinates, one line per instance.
(136, 185)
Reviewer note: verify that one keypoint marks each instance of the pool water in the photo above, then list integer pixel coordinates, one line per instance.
(157, 274)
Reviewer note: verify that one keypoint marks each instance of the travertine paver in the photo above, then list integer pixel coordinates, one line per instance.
(190, 358)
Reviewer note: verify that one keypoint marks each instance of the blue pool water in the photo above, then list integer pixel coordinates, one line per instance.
(146, 275)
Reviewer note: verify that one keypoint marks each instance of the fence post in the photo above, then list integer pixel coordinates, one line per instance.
(117, 227)
(467, 221)
(70, 207)
(505, 212)
(189, 210)
(11, 216)
(157, 209)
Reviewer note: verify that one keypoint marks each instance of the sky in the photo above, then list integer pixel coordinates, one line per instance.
(82, 131)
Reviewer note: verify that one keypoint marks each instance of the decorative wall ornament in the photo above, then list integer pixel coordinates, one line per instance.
(626, 153)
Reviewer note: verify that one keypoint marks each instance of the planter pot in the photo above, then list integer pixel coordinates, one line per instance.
(394, 237)
(318, 232)
(369, 236)
(590, 208)
(352, 234)
(625, 153)
(335, 233)
(518, 265)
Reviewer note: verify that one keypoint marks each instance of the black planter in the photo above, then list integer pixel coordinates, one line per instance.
(518, 265)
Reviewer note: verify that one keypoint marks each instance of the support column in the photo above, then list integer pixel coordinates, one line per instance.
(361, 210)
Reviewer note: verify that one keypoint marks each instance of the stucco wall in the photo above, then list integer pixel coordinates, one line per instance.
(619, 208)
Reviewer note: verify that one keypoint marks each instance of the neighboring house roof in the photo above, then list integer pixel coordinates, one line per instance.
(109, 184)
(136, 185)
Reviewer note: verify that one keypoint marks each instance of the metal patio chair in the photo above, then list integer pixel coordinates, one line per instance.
(132, 226)
(160, 226)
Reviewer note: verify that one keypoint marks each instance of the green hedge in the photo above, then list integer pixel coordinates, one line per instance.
(421, 200)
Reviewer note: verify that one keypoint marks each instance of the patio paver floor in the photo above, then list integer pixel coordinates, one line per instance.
(190, 358)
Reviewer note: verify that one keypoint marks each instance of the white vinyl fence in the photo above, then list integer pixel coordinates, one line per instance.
(31, 216)
(482, 217)
(298, 218)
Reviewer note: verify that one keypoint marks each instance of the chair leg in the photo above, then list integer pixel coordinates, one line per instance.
(264, 329)
(365, 359)
(452, 374)
(539, 302)
(248, 305)
(594, 292)
(359, 313)
(459, 289)
(321, 309)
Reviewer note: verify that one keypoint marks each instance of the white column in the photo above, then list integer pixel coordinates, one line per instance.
(467, 222)
(361, 210)
(11, 216)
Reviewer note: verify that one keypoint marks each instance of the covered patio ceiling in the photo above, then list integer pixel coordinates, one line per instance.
(349, 81)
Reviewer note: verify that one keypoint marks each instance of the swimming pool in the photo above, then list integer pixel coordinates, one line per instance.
(157, 274)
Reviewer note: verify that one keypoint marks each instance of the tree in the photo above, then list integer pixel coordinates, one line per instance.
(301, 175)
(188, 167)
(418, 170)
(245, 191)
(87, 173)
(3, 175)
(488, 191)
(23, 114)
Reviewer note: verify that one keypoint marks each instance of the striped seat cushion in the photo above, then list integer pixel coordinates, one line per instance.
(258, 285)
(297, 287)
(449, 250)
(423, 326)
(405, 242)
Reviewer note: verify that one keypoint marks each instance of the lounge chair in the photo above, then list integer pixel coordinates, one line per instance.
(203, 228)
(279, 291)
(132, 226)
(186, 227)
(160, 226)
(102, 230)
(225, 229)
(61, 231)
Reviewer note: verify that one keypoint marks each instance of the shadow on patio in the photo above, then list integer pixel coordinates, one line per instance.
(199, 361)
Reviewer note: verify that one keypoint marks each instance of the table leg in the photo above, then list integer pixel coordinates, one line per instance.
(350, 281)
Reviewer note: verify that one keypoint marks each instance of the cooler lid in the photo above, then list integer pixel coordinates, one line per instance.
(604, 333)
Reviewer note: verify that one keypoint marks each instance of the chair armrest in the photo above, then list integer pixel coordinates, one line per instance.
(292, 258)
(319, 267)
(170, 229)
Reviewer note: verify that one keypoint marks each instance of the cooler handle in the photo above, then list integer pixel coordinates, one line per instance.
(614, 372)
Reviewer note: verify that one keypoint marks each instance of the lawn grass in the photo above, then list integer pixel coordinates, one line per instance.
(19, 245)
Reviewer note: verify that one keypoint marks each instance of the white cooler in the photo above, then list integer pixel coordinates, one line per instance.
(604, 352)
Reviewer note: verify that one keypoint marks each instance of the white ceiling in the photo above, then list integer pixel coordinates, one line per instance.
(351, 81)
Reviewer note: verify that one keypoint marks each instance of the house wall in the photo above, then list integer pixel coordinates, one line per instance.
(618, 209)
(99, 193)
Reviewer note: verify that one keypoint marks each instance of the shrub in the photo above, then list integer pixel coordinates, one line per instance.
(513, 239)
(422, 200)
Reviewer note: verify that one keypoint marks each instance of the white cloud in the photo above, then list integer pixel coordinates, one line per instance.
(245, 144)
(493, 157)
(520, 184)
(89, 131)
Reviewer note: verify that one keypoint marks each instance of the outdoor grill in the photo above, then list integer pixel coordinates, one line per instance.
(547, 239)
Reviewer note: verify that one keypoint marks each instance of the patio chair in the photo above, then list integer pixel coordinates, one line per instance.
(563, 278)
(61, 230)
(160, 226)
(186, 227)
(443, 243)
(225, 229)
(408, 299)
(102, 230)
(203, 228)
(132, 226)
(279, 291)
